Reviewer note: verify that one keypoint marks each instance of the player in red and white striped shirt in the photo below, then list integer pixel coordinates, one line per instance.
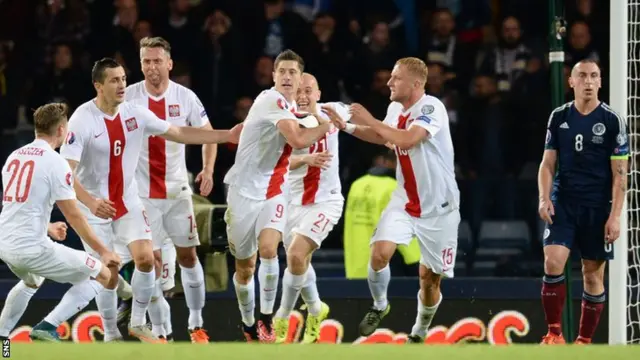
(103, 148)
(163, 182)
(315, 207)
(257, 207)
(426, 202)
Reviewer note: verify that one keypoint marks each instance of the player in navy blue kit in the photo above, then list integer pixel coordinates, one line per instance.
(582, 183)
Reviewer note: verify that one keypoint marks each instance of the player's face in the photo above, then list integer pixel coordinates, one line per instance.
(308, 94)
(585, 81)
(112, 88)
(156, 65)
(287, 77)
(401, 83)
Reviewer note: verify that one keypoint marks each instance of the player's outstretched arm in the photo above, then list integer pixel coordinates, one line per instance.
(299, 137)
(362, 132)
(190, 135)
(545, 182)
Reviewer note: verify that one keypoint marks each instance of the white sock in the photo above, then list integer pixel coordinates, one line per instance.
(14, 306)
(246, 295)
(143, 285)
(107, 302)
(291, 285)
(309, 292)
(424, 317)
(378, 285)
(124, 289)
(268, 276)
(193, 285)
(157, 314)
(73, 301)
(168, 328)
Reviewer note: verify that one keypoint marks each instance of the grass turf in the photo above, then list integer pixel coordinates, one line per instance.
(242, 351)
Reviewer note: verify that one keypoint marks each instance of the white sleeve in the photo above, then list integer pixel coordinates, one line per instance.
(152, 124)
(343, 110)
(430, 118)
(197, 116)
(77, 136)
(275, 108)
(61, 180)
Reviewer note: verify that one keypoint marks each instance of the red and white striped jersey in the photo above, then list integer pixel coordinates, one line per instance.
(425, 173)
(312, 185)
(162, 169)
(262, 159)
(107, 149)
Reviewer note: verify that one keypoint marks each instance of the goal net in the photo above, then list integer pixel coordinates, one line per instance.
(625, 90)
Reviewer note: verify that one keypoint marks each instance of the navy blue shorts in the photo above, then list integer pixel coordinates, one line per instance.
(580, 228)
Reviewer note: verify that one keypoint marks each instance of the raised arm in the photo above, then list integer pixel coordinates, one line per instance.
(299, 137)
(362, 132)
(190, 135)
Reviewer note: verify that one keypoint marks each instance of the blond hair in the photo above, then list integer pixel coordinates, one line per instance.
(48, 116)
(416, 67)
(155, 42)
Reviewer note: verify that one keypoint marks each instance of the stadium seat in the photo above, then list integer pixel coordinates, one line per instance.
(499, 240)
(483, 268)
(504, 234)
(465, 240)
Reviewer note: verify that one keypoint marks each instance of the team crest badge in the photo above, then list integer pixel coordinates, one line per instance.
(131, 124)
(174, 110)
(282, 104)
(599, 129)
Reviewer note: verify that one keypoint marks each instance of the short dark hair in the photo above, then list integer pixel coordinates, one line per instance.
(289, 55)
(97, 73)
(48, 116)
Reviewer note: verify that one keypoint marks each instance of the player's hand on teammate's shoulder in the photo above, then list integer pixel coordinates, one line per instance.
(58, 230)
(103, 208)
(235, 131)
(612, 229)
(546, 210)
(205, 179)
(333, 115)
(360, 115)
(320, 160)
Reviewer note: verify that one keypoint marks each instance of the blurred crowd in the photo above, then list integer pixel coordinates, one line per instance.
(487, 62)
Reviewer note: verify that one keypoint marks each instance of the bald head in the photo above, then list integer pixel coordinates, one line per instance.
(585, 80)
(309, 80)
(308, 93)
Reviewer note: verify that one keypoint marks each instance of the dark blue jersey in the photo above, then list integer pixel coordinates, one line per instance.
(586, 144)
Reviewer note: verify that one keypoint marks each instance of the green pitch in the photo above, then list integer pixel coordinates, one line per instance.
(242, 351)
